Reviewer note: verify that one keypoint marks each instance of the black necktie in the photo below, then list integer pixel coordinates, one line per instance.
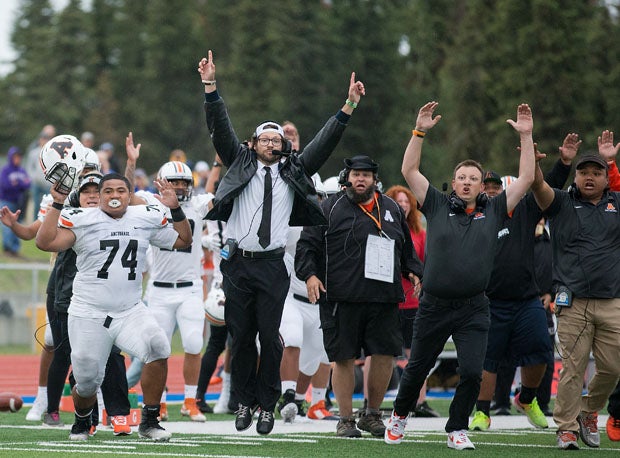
(264, 230)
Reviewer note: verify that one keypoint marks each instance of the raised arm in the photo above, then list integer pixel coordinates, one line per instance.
(168, 197)
(133, 153)
(413, 153)
(50, 237)
(214, 175)
(557, 176)
(609, 152)
(356, 91)
(10, 220)
(527, 164)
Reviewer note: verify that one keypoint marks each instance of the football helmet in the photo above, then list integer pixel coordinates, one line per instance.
(331, 186)
(175, 170)
(91, 160)
(62, 159)
(214, 305)
(508, 180)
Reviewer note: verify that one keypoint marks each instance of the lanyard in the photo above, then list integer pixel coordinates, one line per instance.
(371, 216)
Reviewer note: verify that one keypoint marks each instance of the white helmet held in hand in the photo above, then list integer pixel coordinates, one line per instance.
(62, 159)
(214, 305)
(176, 170)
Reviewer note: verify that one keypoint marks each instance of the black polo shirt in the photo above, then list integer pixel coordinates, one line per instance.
(586, 245)
(514, 273)
(460, 247)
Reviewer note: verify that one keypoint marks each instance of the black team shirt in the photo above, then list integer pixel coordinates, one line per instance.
(460, 247)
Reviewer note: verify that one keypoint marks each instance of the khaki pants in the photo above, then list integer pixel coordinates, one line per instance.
(590, 325)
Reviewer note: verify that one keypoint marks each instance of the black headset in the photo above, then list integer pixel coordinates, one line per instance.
(287, 146)
(458, 205)
(343, 177)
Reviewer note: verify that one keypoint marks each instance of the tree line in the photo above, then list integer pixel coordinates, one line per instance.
(121, 65)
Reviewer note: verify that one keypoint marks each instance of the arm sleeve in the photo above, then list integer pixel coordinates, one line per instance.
(309, 253)
(614, 177)
(223, 135)
(409, 260)
(557, 176)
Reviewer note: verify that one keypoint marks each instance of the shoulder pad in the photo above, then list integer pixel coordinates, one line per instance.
(73, 218)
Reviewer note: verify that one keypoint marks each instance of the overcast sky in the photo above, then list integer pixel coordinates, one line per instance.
(8, 12)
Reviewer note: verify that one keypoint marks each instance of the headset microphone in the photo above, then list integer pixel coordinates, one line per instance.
(346, 184)
(275, 152)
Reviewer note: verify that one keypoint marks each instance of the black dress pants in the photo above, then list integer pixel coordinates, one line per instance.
(255, 292)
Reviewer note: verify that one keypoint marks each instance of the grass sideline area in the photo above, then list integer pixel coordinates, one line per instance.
(216, 438)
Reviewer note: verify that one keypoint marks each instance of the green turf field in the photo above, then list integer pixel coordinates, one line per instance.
(19, 438)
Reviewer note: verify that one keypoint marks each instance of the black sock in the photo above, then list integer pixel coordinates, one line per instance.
(527, 395)
(150, 412)
(484, 407)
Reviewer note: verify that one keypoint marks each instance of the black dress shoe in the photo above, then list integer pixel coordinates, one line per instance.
(203, 406)
(265, 422)
(425, 411)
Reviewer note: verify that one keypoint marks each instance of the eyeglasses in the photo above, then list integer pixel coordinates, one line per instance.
(265, 141)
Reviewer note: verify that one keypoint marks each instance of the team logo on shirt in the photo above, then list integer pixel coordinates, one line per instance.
(388, 216)
(611, 208)
(479, 215)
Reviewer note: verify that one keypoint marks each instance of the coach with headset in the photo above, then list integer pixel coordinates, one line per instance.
(585, 234)
(460, 247)
(267, 189)
(365, 249)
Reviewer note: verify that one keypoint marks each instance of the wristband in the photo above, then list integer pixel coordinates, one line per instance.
(57, 206)
(350, 103)
(208, 83)
(217, 164)
(418, 133)
(177, 214)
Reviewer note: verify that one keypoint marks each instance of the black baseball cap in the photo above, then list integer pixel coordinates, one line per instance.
(591, 158)
(490, 175)
(361, 162)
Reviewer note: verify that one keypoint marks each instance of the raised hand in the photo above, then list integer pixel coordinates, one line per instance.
(356, 89)
(569, 148)
(7, 217)
(606, 146)
(133, 152)
(206, 67)
(524, 123)
(167, 195)
(425, 120)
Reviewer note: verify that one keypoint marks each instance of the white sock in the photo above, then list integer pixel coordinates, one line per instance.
(318, 395)
(300, 396)
(289, 385)
(190, 391)
(42, 392)
(163, 396)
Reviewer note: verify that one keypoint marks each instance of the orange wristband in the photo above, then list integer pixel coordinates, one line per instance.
(418, 133)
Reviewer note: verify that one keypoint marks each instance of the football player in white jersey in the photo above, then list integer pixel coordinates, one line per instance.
(174, 293)
(304, 357)
(106, 307)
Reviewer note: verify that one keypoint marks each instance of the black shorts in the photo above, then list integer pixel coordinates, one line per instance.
(518, 333)
(349, 327)
(407, 317)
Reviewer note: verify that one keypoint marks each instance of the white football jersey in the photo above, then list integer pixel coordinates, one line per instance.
(297, 286)
(111, 256)
(46, 200)
(173, 266)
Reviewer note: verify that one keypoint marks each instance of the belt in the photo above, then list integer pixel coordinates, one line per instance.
(278, 253)
(474, 300)
(301, 298)
(181, 284)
